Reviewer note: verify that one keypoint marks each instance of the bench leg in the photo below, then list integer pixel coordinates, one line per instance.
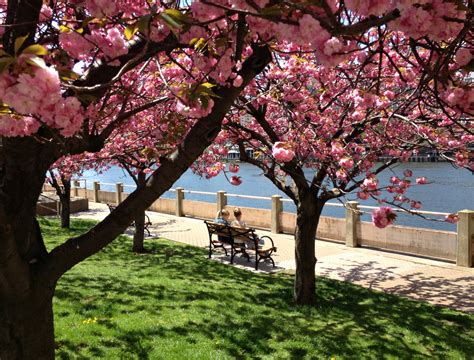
(273, 262)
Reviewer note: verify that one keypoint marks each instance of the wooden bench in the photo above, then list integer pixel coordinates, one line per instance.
(241, 241)
(147, 219)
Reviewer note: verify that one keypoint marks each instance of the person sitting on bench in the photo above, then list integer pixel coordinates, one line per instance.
(239, 223)
(222, 217)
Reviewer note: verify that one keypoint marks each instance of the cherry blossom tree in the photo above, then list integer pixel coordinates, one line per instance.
(137, 149)
(337, 121)
(73, 72)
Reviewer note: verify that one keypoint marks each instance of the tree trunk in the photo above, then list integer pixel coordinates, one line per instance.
(307, 218)
(26, 328)
(26, 314)
(139, 235)
(65, 199)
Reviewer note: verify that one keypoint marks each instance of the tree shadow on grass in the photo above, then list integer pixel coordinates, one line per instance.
(240, 313)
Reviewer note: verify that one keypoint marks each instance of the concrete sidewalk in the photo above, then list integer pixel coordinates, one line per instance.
(436, 282)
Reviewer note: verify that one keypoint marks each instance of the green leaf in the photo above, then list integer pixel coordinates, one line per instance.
(19, 41)
(208, 85)
(204, 101)
(64, 29)
(174, 19)
(4, 109)
(274, 10)
(130, 31)
(200, 44)
(66, 74)
(37, 61)
(36, 49)
(194, 41)
(5, 62)
(144, 23)
(221, 42)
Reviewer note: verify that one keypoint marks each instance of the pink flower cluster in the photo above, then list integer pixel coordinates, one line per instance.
(234, 168)
(383, 216)
(236, 180)
(110, 42)
(39, 93)
(194, 109)
(452, 218)
(214, 170)
(282, 152)
(11, 125)
(419, 18)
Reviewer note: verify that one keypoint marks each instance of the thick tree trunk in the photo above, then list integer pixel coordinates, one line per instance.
(26, 328)
(307, 218)
(26, 315)
(139, 235)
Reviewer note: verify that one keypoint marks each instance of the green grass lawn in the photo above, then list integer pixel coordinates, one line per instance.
(177, 304)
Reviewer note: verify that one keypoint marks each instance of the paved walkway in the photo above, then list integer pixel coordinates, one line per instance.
(417, 278)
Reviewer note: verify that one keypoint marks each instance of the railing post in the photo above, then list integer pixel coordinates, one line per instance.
(465, 251)
(277, 209)
(96, 187)
(76, 184)
(118, 193)
(352, 217)
(221, 200)
(179, 201)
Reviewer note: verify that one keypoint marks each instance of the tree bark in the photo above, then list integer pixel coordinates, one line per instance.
(26, 328)
(64, 193)
(139, 235)
(26, 315)
(66, 204)
(307, 218)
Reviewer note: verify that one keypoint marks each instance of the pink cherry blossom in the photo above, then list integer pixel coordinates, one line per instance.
(363, 195)
(383, 216)
(346, 163)
(282, 152)
(463, 57)
(452, 218)
(234, 168)
(408, 173)
(236, 180)
(421, 180)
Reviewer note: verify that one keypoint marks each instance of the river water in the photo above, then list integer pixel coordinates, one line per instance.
(450, 190)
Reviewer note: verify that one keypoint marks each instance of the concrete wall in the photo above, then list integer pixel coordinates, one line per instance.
(50, 208)
(424, 242)
(165, 206)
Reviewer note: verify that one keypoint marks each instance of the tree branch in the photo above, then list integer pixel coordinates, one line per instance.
(73, 251)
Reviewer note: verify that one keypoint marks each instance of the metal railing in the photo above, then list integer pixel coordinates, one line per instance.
(283, 199)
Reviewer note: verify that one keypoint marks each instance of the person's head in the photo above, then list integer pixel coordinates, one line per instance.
(237, 213)
(224, 214)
